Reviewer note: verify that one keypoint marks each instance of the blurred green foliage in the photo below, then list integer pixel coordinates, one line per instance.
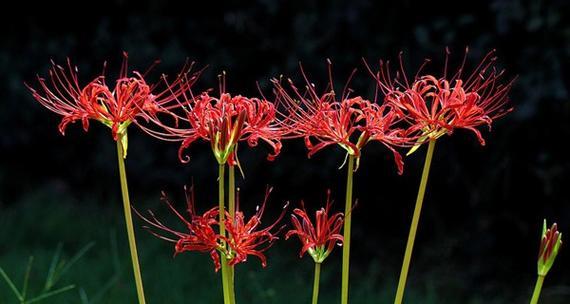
(58, 268)
(103, 275)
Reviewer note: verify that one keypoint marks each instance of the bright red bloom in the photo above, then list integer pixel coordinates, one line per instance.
(330, 119)
(115, 107)
(435, 106)
(201, 235)
(222, 121)
(245, 238)
(318, 239)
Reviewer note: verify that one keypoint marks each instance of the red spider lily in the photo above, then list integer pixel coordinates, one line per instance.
(549, 245)
(330, 119)
(245, 238)
(436, 106)
(223, 121)
(201, 235)
(115, 107)
(318, 239)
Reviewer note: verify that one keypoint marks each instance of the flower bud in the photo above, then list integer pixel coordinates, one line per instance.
(549, 246)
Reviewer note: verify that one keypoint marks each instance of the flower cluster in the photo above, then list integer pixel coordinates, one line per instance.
(317, 239)
(222, 121)
(245, 237)
(116, 107)
(435, 106)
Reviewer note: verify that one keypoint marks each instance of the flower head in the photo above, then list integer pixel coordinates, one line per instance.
(201, 235)
(549, 245)
(247, 238)
(222, 121)
(435, 106)
(244, 237)
(338, 119)
(318, 239)
(115, 106)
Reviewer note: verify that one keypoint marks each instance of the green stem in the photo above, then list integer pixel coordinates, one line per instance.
(129, 222)
(221, 197)
(316, 283)
(222, 215)
(232, 190)
(414, 225)
(232, 210)
(537, 289)
(346, 230)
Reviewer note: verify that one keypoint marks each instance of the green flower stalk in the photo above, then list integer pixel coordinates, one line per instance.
(347, 230)
(414, 226)
(550, 243)
(224, 258)
(316, 282)
(121, 153)
(232, 211)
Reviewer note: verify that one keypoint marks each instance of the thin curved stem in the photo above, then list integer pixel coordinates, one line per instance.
(316, 283)
(414, 225)
(537, 289)
(346, 230)
(129, 222)
(222, 216)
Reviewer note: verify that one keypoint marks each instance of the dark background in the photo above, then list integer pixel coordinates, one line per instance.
(479, 232)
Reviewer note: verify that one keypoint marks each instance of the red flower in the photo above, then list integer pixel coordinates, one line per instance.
(223, 121)
(436, 106)
(245, 238)
(201, 235)
(379, 126)
(330, 119)
(318, 239)
(115, 107)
